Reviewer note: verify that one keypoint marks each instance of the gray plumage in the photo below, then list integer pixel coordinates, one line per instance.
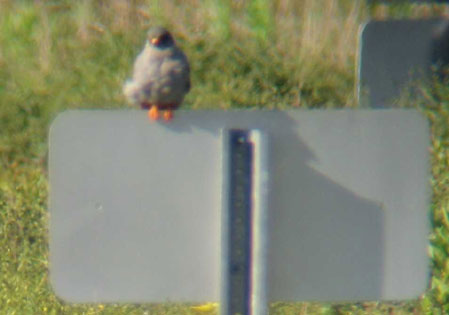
(161, 73)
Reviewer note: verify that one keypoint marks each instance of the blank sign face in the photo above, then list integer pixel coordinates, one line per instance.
(395, 52)
(136, 206)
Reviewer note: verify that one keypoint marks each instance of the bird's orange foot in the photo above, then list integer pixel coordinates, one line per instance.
(168, 115)
(153, 113)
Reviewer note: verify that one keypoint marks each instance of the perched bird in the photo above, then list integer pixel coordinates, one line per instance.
(161, 76)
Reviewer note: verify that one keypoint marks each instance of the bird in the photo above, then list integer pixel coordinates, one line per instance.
(161, 76)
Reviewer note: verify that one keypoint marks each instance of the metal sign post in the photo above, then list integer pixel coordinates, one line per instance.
(245, 172)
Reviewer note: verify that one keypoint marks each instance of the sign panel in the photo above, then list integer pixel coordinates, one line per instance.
(136, 206)
(393, 53)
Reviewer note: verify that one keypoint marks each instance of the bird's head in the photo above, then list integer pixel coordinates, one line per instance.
(159, 37)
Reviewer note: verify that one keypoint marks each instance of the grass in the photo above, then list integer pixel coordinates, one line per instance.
(56, 55)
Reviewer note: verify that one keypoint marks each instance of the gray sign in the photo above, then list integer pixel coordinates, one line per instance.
(397, 52)
(136, 206)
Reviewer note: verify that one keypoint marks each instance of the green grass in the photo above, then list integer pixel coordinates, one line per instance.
(56, 55)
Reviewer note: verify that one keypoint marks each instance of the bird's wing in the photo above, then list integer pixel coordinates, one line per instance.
(188, 84)
(176, 69)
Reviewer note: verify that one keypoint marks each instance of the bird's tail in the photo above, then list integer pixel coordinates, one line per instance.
(132, 92)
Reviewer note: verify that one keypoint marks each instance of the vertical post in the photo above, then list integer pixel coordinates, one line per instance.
(244, 223)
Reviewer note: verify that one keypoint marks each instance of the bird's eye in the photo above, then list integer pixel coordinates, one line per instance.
(160, 40)
(164, 38)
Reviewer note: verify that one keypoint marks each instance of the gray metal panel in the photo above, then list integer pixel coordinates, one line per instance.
(396, 51)
(135, 206)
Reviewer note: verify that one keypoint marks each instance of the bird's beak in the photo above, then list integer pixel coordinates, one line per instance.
(155, 41)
